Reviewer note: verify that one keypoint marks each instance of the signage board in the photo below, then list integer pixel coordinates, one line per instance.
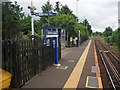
(50, 33)
(47, 36)
(45, 14)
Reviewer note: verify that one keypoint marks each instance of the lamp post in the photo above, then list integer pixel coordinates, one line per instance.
(48, 12)
(78, 21)
(119, 14)
(79, 38)
(77, 9)
(32, 8)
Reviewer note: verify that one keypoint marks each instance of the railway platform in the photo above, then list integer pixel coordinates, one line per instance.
(79, 69)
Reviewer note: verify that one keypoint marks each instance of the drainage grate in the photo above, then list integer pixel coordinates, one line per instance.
(62, 67)
(92, 82)
(94, 69)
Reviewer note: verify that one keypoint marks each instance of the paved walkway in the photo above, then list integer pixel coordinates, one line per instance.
(74, 70)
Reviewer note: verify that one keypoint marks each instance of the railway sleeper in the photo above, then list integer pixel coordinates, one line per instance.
(111, 68)
(117, 87)
(106, 51)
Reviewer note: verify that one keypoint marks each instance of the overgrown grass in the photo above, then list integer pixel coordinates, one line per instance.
(104, 39)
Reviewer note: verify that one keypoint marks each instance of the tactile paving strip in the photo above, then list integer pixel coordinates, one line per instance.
(92, 82)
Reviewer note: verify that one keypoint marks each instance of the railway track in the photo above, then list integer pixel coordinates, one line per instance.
(111, 63)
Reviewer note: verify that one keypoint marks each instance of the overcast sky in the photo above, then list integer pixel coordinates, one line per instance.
(100, 13)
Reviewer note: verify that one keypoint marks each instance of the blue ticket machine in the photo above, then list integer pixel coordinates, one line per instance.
(51, 32)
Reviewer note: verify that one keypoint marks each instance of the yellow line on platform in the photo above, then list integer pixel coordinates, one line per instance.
(98, 73)
(74, 78)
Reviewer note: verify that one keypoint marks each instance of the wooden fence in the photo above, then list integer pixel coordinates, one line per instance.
(25, 59)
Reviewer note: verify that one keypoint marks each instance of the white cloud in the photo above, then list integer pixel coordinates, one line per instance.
(100, 13)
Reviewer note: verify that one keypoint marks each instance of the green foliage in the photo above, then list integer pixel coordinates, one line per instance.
(26, 24)
(11, 16)
(28, 36)
(43, 22)
(80, 27)
(47, 8)
(114, 39)
(66, 21)
(87, 27)
(97, 33)
(17, 23)
(65, 10)
(26, 27)
(107, 32)
(57, 7)
(25, 37)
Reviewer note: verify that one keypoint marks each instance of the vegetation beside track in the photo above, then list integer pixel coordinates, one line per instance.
(110, 36)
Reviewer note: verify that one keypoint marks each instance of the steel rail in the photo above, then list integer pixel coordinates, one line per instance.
(114, 71)
(113, 66)
(110, 52)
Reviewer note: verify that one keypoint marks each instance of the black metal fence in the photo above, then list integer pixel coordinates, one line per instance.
(25, 59)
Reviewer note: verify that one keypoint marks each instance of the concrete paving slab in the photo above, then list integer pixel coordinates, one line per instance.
(94, 69)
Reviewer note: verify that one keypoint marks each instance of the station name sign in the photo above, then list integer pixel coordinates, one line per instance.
(51, 33)
(44, 14)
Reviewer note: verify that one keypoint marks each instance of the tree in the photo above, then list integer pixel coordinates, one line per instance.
(65, 10)
(57, 7)
(66, 21)
(97, 33)
(116, 38)
(26, 24)
(107, 32)
(0, 20)
(87, 26)
(47, 8)
(11, 16)
(89, 29)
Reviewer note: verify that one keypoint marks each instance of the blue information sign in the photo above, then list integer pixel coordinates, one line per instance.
(45, 14)
(48, 32)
